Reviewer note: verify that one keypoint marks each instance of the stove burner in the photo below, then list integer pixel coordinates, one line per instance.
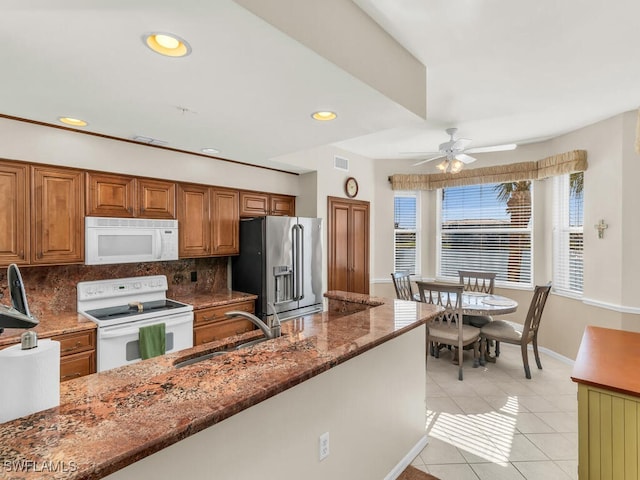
(133, 309)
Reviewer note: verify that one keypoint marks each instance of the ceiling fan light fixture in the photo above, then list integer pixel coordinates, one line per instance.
(456, 166)
(74, 122)
(324, 115)
(167, 44)
(443, 166)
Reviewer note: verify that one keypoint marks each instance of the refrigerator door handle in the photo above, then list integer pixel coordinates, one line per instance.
(294, 245)
(301, 261)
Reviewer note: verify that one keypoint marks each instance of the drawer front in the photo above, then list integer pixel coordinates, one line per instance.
(71, 343)
(217, 314)
(77, 365)
(220, 330)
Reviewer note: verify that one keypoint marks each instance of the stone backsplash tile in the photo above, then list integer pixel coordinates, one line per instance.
(53, 289)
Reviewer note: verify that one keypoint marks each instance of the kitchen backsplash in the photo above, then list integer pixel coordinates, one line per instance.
(53, 289)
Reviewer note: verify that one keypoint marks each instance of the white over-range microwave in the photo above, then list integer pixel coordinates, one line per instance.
(128, 240)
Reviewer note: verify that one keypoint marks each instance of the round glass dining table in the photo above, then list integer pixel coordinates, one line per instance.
(476, 303)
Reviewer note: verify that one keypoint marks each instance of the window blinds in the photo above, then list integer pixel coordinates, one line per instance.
(487, 228)
(405, 218)
(568, 234)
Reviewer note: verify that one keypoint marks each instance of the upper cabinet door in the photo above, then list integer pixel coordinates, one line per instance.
(110, 195)
(156, 198)
(254, 204)
(194, 226)
(225, 222)
(14, 215)
(57, 228)
(282, 205)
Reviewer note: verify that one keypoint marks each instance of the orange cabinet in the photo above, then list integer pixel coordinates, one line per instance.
(57, 215)
(14, 215)
(256, 204)
(211, 323)
(208, 220)
(113, 195)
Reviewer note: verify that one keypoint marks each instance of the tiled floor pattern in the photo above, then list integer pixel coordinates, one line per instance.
(496, 424)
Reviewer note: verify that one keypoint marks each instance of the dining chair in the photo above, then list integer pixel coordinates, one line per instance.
(447, 328)
(479, 282)
(517, 334)
(402, 284)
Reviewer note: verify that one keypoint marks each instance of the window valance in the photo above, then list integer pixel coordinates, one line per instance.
(568, 162)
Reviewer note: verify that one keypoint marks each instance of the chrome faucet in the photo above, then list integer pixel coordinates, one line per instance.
(272, 330)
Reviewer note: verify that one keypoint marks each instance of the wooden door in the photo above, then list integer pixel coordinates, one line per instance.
(14, 215)
(282, 205)
(348, 245)
(156, 198)
(110, 195)
(359, 248)
(194, 226)
(57, 201)
(225, 222)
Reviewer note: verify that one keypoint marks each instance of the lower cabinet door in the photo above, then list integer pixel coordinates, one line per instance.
(77, 365)
(221, 329)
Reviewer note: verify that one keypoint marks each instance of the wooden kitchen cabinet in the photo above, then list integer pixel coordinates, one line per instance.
(77, 354)
(211, 323)
(348, 250)
(208, 221)
(194, 226)
(113, 195)
(257, 204)
(14, 216)
(225, 222)
(109, 195)
(156, 198)
(57, 217)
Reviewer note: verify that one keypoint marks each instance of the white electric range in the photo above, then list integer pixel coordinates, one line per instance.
(121, 306)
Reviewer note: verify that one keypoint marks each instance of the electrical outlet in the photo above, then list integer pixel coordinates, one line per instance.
(324, 446)
(194, 276)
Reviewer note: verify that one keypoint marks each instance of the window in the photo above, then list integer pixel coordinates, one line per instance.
(487, 228)
(568, 232)
(406, 232)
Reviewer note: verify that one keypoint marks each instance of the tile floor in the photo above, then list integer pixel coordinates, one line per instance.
(496, 424)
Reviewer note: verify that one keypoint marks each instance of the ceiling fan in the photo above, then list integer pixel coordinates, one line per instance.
(455, 152)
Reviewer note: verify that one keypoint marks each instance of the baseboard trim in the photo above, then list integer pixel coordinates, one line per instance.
(551, 353)
(407, 459)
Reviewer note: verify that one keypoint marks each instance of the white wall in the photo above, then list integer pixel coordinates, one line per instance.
(373, 407)
(35, 143)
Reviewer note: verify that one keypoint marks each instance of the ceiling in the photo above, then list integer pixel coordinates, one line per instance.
(501, 71)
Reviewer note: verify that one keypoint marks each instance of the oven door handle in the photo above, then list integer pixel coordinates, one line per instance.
(117, 331)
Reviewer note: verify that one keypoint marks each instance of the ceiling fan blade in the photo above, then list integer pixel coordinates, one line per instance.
(461, 144)
(494, 148)
(428, 160)
(464, 158)
(419, 153)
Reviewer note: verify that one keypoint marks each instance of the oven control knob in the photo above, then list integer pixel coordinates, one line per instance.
(137, 285)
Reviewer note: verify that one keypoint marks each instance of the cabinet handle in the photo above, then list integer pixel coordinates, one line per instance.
(130, 209)
(72, 375)
(70, 349)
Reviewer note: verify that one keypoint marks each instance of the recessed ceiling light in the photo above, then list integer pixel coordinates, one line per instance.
(324, 116)
(166, 44)
(74, 122)
(210, 151)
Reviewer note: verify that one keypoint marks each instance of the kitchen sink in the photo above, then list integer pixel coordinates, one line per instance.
(200, 358)
(207, 356)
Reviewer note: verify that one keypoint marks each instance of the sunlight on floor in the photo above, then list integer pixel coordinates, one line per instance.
(468, 432)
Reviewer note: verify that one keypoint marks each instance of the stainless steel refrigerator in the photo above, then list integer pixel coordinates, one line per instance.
(280, 261)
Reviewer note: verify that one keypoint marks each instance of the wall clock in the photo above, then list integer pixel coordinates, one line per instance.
(351, 187)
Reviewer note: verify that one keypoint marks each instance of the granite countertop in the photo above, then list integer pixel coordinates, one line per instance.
(111, 419)
(609, 359)
(201, 300)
